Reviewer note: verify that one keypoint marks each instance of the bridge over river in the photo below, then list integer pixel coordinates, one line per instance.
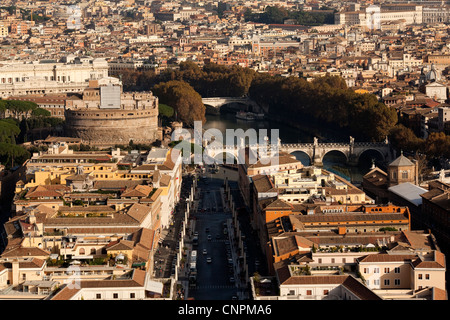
(316, 150)
(214, 104)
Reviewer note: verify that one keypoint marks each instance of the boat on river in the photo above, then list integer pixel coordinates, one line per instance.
(249, 116)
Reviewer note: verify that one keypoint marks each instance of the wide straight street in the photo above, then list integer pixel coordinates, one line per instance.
(214, 273)
(217, 273)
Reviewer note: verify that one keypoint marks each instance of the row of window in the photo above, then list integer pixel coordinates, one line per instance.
(420, 276)
(387, 282)
(333, 260)
(117, 115)
(23, 79)
(404, 174)
(140, 176)
(82, 251)
(294, 167)
(386, 270)
(116, 295)
(308, 292)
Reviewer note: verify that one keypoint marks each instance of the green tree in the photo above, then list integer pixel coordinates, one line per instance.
(12, 155)
(327, 101)
(186, 102)
(437, 145)
(8, 130)
(165, 110)
(403, 138)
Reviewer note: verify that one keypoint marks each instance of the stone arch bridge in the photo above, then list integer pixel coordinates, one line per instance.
(316, 151)
(213, 105)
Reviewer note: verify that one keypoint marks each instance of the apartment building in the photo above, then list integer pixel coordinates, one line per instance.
(248, 168)
(435, 210)
(443, 117)
(316, 184)
(3, 30)
(403, 272)
(136, 285)
(407, 62)
(395, 265)
(263, 47)
(296, 189)
(298, 228)
(435, 14)
(24, 271)
(154, 180)
(322, 287)
(165, 168)
(363, 220)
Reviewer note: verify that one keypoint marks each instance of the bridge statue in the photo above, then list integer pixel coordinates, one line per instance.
(316, 141)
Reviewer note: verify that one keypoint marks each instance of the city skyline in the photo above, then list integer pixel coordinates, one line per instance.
(249, 151)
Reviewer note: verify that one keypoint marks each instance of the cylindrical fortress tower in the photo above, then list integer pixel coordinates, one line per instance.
(117, 126)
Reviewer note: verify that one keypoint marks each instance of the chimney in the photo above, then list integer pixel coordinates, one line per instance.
(32, 218)
(416, 168)
(15, 272)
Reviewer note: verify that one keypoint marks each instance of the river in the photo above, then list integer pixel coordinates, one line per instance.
(333, 161)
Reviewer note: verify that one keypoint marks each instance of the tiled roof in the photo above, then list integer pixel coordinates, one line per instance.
(137, 191)
(139, 212)
(26, 264)
(418, 239)
(144, 237)
(360, 290)
(279, 204)
(25, 252)
(353, 285)
(281, 160)
(439, 294)
(285, 245)
(371, 258)
(137, 280)
(263, 183)
(116, 184)
(47, 191)
(438, 262)
(122, 245)
(350, 216)
(401, 161)
(439, 197)
(165, 180)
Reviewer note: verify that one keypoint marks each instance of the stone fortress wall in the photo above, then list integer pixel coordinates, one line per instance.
(133, 116)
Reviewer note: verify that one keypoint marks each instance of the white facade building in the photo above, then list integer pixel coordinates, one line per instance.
(373, 16)
(436, 91)
(49, 76)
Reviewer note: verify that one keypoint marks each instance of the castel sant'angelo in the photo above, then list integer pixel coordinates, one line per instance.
(105, 115)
